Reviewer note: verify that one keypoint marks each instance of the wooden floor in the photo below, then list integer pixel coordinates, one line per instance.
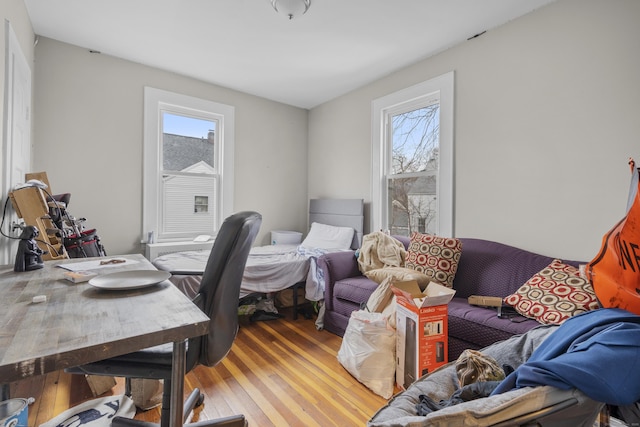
(278, 373)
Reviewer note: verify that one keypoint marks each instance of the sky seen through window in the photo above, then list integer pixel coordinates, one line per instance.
(186, 126)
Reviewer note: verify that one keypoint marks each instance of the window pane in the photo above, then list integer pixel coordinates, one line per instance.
(413, 205)
(415, 140)
(188, 144)
(201, 204)
(179, 193)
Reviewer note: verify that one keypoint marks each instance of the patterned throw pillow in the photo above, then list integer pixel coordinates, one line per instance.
(554, 294)
(437, 257)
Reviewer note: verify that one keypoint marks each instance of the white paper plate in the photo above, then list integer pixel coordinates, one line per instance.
(132, 279)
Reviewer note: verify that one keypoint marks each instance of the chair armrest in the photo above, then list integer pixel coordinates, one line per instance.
(336, 266)
(186, 272)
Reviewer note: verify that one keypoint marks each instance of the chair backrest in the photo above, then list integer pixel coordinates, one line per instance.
(219, 292)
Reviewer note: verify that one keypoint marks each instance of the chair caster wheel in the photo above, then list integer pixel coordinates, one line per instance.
(200, 400)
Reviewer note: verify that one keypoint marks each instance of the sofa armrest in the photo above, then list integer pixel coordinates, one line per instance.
(337, 266)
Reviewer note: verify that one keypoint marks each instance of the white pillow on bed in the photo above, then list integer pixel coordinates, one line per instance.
(323, 236)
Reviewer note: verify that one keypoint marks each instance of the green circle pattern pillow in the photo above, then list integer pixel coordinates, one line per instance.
(435, 256)
(554, 294)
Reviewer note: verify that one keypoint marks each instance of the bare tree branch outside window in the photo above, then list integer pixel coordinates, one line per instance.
(414, 170)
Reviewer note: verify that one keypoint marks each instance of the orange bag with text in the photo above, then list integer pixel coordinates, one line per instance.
(615, 272)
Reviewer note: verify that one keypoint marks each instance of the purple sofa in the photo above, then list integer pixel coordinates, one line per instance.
(486, 268)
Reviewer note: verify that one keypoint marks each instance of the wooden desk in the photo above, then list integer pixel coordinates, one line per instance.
(79, 324)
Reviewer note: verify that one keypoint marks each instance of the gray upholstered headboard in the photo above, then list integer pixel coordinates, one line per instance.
(340, 213)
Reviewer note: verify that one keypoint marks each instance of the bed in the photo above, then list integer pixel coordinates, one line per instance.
(335, 224)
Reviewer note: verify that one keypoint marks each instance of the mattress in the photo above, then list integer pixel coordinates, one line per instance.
(269, 269)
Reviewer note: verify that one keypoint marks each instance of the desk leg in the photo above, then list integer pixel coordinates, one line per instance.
(177, 383)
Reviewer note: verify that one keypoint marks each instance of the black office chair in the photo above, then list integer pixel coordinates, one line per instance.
(218, 297)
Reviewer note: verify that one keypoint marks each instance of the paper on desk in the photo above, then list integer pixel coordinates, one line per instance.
(96, 264)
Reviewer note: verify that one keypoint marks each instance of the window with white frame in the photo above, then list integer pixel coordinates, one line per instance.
(188, 165)
(413, 159)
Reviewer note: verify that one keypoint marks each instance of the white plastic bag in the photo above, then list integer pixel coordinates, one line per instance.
(368, 351)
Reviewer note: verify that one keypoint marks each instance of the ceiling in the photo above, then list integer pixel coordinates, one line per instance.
(337, 46)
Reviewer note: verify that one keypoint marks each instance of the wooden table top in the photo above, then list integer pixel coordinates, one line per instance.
(79, 323)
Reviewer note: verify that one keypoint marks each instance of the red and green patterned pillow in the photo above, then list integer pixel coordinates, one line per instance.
(554, 294)
(435, 256)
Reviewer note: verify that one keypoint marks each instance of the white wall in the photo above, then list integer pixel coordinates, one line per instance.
(88, 137)
(14, 12)
(547, 111)
(547, 114)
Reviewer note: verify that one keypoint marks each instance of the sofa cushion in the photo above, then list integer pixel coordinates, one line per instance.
(435, 256)
(482, 326)
(354, 289)
(554, 294)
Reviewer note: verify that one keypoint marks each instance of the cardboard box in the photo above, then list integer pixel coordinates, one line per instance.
(421, 329)
(100, 384)
(146, 393)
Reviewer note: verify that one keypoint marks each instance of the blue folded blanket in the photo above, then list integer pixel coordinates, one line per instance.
(597, 352)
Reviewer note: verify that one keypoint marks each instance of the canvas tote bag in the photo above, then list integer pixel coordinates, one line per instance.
(615, 272)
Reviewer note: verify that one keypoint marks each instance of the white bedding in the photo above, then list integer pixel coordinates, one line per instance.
(269, 269)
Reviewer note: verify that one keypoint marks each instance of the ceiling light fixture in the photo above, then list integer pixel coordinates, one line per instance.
(291, 8)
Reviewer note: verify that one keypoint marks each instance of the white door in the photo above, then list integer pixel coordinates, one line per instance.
(17, 130)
